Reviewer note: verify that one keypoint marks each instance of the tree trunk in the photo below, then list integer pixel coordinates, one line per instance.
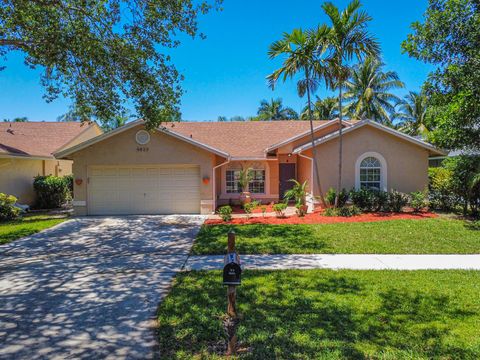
(312, 139)
(340, 144)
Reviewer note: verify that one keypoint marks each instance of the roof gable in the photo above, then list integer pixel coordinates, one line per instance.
(376, 125)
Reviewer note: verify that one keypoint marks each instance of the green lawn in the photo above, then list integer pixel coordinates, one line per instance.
(325, 314)
(428, 236)
(25, 226)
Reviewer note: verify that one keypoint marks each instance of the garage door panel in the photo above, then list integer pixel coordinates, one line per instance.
(144, 190)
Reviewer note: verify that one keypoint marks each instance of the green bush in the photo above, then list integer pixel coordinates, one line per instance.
(52, 191)
(280, 209)
(369, 200)
(342, 198)
(345, 211)
(418, 200)
(225, 212)
(396, 201)
(301, 210)
(8, 211)
(440, 189)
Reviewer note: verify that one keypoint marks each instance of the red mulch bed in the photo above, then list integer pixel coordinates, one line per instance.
(237, 209)
(318, 218)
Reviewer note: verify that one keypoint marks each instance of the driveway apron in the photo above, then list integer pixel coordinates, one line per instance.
(90, 287)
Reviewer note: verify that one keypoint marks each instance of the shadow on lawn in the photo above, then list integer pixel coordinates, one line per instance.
(213, 239)
(289, 316)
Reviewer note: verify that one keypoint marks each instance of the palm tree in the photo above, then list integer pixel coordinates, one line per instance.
(348, 38)
(326, 109)
(299, 49)
(413, 114)
(368, 92)
(274, 110)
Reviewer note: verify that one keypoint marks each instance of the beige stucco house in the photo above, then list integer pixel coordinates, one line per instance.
(192, 167)
(26, 150)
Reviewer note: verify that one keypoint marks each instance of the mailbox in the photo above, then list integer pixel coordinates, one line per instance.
(232, 269)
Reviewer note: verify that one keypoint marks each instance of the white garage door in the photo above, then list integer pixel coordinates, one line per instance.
(144, 190)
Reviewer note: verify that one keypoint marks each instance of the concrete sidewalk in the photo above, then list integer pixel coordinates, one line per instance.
(340, 261)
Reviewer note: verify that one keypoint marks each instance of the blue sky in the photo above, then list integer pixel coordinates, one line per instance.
(225, 73)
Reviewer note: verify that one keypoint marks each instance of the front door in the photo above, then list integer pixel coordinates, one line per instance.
(286, 172)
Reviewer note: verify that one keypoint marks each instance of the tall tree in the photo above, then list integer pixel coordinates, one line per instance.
(449, 38)
(348, 38)
(412, 115)
(274, 110)
(103, 53)
(326, 109)
(298, 48)
(368, 92)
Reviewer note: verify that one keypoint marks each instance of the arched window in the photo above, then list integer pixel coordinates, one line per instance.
(370, 173)
(371, 170)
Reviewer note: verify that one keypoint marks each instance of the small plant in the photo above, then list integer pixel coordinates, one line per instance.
(345, 211)
(225, 212)
(342, 197)
(8, 210)
(418, 200)
(298, 192)
(255, 204)
(280, 209)
(301, 210)
(248, 207)
(264, 210)
(396, 201)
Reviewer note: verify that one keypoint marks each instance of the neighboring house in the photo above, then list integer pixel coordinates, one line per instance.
(26, 150)
(436, 161)
(192, 167)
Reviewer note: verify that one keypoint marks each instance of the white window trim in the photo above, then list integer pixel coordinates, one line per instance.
(264, 182)
(383, 170)
(223, 190)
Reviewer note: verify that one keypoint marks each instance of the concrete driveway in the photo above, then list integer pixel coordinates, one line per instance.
(90, 287)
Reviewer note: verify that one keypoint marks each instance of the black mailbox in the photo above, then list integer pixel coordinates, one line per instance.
(232, 269)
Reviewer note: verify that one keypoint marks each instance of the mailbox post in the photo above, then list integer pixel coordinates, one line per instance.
(231, 277)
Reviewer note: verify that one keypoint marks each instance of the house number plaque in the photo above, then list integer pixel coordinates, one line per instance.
(142, 148)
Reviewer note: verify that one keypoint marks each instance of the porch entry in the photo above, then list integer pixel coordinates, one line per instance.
(286, 172)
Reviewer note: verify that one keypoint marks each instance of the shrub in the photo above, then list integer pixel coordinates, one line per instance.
(342, 197)
(440, 189)
(8, 210)
(345, 211)
(396, 201)
(418, 200)
(264, 210)
(248, 207)
(369, 200)
(52, 191)
(301, 210)
(280, 209)
(225, 212)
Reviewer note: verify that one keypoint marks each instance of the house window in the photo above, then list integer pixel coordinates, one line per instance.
(371, 173)
(233, 187)
(257, 184)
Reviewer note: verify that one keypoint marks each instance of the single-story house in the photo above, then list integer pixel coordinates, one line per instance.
(193, 167)
(26, 150)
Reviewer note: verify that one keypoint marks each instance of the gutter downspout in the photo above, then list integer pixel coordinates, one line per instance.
(310, 199)
(214, 182)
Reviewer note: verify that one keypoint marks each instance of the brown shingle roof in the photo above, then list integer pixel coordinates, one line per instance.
(242, 138)
(39, 139)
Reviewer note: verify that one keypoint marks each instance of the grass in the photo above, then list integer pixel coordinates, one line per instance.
(325, 314)
(427, 236)
(26, 225)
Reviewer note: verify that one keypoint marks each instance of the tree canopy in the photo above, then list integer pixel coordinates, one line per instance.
(449, 38)
(105, 55)
(275, 110)
(368, 92)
